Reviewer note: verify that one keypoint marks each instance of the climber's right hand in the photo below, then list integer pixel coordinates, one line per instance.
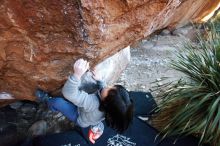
(80, 67)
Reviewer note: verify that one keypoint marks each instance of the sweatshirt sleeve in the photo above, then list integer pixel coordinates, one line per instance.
(101, 84)
(78, 97)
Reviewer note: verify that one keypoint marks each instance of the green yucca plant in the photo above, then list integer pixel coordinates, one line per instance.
(215, 21)
(192, 106)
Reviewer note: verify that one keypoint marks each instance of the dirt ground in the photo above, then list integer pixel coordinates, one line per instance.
(151, 58)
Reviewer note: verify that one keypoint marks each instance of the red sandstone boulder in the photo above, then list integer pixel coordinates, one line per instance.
(40, 39)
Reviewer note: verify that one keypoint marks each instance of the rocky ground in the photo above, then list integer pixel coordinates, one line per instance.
(150, 60)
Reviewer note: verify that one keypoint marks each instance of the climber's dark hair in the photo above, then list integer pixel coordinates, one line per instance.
(118, 108)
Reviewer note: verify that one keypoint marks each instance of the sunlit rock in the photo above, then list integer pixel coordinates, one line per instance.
(39, 40)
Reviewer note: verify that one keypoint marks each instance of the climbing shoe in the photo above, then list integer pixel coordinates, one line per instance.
(42, 96)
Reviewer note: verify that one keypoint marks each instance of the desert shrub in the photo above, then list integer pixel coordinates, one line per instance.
(192, 105)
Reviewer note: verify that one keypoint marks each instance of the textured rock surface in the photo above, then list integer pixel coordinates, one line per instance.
(40, 39)
(149, 63)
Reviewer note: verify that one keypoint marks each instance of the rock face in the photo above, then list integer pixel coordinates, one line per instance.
(40, 39)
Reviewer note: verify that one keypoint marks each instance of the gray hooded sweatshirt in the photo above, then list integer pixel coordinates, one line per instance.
(88, 104)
